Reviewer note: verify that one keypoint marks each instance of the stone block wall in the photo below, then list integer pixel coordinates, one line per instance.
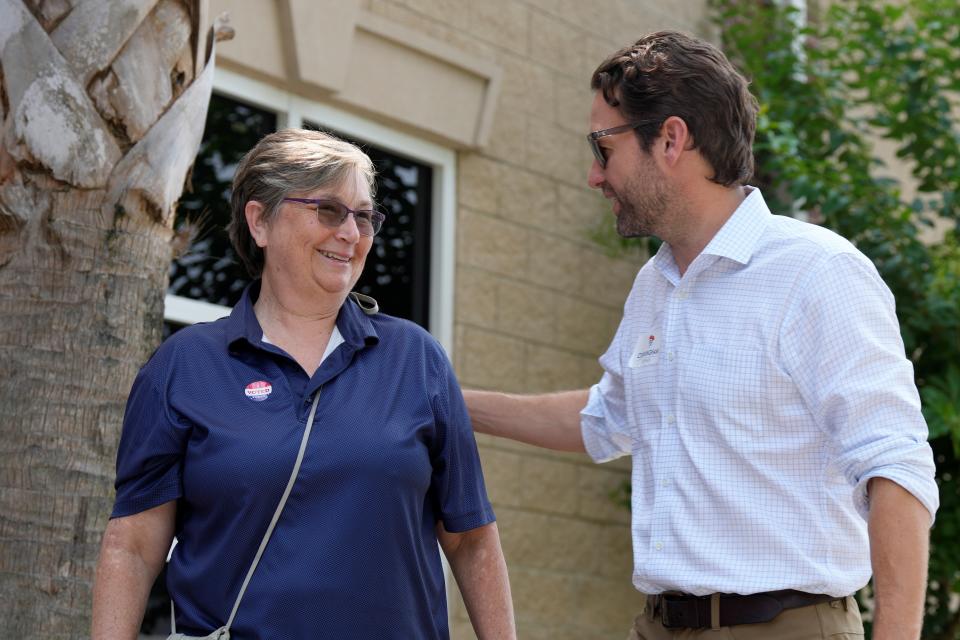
(537, 301)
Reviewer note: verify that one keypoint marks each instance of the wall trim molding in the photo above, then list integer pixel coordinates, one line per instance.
(336, 52)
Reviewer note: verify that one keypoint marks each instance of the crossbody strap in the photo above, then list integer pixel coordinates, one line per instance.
(276, 514)
(273, 521)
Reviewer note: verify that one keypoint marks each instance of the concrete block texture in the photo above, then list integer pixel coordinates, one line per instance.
(501, 22)
(491, 360)
(555, 43)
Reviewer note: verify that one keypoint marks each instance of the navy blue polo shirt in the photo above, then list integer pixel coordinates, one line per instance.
(214, 421)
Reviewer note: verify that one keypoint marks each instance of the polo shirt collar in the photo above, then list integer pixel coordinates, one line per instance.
(242, 323)
(354, 325)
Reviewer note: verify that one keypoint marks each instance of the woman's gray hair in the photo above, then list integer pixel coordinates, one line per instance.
(283, 163)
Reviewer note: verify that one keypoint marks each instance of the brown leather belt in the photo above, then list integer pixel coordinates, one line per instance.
(693, 612)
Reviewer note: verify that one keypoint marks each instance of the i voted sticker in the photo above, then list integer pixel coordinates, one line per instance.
(647, 350)
(258, 391)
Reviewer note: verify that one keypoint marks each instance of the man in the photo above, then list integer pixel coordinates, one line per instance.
(757, 378)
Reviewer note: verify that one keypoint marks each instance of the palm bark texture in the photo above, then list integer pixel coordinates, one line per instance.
(102, 104)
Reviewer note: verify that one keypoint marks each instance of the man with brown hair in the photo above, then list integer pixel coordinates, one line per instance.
(757, 378)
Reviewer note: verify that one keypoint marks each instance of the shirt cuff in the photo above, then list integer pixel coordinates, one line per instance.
(598, 442)
(921, 487)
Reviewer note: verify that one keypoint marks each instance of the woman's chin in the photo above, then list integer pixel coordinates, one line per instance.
(335, 285)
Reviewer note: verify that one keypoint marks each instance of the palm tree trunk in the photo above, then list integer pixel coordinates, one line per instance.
(102, 104)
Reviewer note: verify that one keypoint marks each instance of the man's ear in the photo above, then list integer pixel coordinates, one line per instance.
(676, 139)
(256, 222)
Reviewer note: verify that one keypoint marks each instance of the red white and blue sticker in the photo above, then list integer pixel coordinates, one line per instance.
(258, 391)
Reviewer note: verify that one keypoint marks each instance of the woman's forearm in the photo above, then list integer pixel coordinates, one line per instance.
(132, 553)
(120, 594)
(481, 572)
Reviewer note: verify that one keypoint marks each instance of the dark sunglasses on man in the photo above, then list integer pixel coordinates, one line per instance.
(593, 136)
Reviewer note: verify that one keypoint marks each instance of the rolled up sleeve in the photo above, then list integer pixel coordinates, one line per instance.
(843, 347)
(603, 422)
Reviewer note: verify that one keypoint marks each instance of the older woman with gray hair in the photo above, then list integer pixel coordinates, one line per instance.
(307, 452)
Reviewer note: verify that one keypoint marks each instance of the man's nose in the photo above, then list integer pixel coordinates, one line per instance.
(595, 175)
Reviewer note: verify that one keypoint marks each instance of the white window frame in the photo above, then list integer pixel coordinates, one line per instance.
(291, 111)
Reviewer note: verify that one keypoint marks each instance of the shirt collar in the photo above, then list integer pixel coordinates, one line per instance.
(242, 323)
(664, 262)
(736, 239)
(739, 235)
(354, 325)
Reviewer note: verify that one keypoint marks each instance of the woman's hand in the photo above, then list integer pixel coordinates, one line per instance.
(477, 562)
(133, 551)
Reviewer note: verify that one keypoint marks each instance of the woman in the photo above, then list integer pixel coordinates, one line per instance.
(216, 418)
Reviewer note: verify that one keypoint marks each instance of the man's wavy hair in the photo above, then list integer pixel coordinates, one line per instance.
(669, 73)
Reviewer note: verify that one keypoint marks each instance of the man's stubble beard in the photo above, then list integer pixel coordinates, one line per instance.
(644, 205)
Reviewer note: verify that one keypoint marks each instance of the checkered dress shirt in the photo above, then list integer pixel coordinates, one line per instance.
(758, 393)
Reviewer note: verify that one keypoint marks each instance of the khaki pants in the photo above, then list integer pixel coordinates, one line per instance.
(835, 620)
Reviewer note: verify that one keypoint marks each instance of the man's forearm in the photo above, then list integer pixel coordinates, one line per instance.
(899, 547)
(548, 420)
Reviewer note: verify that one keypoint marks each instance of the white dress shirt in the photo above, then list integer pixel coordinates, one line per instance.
(757, 395)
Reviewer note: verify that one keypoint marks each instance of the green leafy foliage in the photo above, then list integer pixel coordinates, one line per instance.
(861, 74)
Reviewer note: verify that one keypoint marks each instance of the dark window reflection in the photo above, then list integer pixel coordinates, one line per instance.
(170, 328)
(397, 273)
(208, 269)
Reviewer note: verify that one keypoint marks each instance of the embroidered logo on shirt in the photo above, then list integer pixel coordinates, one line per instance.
(646, 352)
(258, 391)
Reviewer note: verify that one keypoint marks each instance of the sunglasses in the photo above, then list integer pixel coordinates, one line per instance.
(602, 133)
(332, 214)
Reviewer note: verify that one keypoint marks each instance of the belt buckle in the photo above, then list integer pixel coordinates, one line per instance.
(685, 612)
(664, 618)
(668, 621)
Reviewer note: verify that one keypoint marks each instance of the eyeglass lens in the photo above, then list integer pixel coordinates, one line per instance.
(597, 152)
(331, 213)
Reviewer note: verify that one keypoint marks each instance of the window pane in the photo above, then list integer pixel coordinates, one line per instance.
(208, 269)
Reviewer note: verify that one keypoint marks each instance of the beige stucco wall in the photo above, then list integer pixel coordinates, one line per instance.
(536, 301)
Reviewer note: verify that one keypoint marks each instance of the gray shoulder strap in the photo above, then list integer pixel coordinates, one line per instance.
(368, 304)
(276, 514)
(223, 633)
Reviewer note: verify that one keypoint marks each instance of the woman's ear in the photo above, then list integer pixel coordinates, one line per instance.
(256, 222)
